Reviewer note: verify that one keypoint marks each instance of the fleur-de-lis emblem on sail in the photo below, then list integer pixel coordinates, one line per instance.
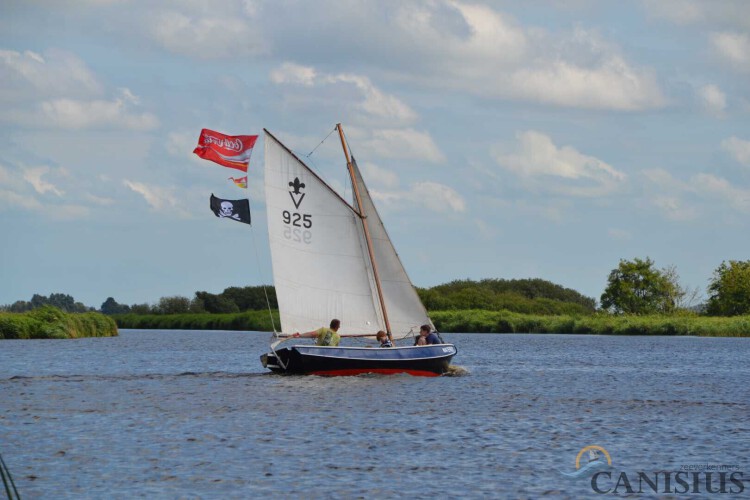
(295, 193)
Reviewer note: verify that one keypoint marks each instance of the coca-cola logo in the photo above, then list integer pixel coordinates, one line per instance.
(230, 144)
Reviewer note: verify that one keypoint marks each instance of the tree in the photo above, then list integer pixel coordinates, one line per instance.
(20, 306)
(110, 306)
(173, 305)
(251, 297)
(729, 290)
(215, 304)
(637, 287)
(141, 309)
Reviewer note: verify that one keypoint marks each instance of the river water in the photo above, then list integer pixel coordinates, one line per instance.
(188, 414)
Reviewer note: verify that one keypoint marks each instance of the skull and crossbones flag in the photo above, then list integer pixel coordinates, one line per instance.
(238, 210)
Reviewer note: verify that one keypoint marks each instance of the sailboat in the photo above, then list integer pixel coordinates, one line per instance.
(334, 259)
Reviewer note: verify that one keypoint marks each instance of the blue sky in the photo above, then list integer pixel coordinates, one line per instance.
(543, 139)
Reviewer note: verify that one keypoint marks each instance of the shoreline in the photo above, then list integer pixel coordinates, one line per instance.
(479, 321)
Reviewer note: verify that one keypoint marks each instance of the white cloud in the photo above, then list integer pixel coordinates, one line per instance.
(181, 144)
(663, 179)
(614, 84)
(372, 101)
(157, 197)
(497, 59)
(377, 175)
(738, 148)
(206, 35)
(477, 34)
(5, 177)
(431, 195)
(677, 11)
(33, 175)
(541, 165)
(439, 197)
(289, 73)
(98, 200)
(30, 75)
(674, 207)
(717, 188)
(12, 200)
(377, 103)
(681, 200)
(58, 90)
(713, 99)
(76, 115)
(666, 193)
(403, 144)
(733, 48)
(735, 13)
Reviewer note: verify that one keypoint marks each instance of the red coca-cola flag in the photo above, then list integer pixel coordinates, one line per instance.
(231, 151)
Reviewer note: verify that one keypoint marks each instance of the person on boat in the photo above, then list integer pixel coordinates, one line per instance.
(426, 336)
(382, 337)
(325, 336)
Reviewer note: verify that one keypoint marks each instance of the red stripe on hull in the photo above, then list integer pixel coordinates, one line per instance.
(380, 371)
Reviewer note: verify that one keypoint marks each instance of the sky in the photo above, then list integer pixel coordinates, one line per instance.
(504, 139)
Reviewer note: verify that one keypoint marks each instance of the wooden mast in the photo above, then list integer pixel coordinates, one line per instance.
(363, 218)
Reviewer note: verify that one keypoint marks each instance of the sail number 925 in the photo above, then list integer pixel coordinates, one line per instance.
(297, 219)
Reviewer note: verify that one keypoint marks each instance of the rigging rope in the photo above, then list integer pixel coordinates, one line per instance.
(314, 165)
(321, 142)
(10, 486)
(265, 292)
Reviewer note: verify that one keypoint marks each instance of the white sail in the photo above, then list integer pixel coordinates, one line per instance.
(320, 267)
(403, 306)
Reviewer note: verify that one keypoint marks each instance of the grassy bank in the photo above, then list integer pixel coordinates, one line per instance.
(477, 321)
(51, 323)
(248, 320)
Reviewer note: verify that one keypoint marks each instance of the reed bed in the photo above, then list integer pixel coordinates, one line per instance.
(248, 320)
(478, 321)
(51, 323)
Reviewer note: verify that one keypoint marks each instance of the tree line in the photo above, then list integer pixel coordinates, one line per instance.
(529, 296)
(634, 287)
(638, 287)
(61, 301)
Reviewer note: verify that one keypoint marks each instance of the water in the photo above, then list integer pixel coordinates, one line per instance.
(187, 414)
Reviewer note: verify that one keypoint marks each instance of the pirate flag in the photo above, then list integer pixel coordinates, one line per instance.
(238, 210)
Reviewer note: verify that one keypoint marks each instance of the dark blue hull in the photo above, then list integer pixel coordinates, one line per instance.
(428, 361)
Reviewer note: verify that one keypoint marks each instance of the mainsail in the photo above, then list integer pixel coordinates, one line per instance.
(321, 263)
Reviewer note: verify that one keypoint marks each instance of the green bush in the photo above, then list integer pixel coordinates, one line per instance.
(48, 322)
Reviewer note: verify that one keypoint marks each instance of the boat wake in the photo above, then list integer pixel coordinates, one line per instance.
(142, 376)
(456, 371)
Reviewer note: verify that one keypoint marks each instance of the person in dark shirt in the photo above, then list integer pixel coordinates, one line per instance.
(383, 339)
(426, 336)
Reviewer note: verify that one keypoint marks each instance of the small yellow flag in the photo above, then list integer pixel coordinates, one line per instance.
(241, 182)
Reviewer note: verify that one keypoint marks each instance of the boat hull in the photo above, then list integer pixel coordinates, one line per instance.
(426, 361)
